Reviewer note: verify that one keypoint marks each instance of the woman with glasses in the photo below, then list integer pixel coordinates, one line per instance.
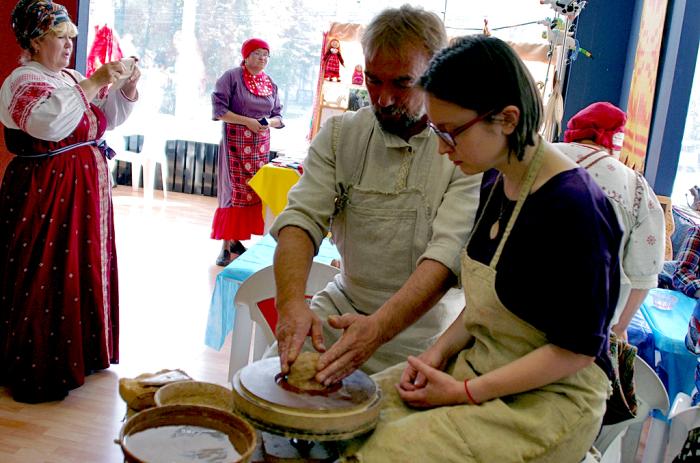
(245, 100)
(513, 379)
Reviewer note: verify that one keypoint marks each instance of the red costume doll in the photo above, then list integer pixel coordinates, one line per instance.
(358, 77)
(332, 61)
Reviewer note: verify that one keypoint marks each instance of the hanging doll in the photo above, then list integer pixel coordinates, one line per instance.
(358, 77)
(332, 61)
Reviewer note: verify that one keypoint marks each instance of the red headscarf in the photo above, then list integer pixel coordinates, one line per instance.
(598, 122)
(260, 84)
(250, 45)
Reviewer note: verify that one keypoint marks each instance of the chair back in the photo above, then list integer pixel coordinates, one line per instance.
(684, 418)
(651, 395)
(255, 302)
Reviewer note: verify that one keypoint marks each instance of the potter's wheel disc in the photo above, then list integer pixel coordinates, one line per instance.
(351, 410)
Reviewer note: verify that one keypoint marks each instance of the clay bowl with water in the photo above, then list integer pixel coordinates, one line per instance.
(195, 393)
(187, 433)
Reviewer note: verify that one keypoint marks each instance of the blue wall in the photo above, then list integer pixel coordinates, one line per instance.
(606, 29)
(609, 29)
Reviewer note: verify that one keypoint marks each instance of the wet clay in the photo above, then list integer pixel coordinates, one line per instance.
(302, 373)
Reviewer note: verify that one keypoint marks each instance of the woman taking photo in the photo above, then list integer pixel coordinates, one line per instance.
(246, 100)
(512, 379)
(59, 306)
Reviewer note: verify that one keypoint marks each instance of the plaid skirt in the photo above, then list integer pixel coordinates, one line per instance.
(247, 152)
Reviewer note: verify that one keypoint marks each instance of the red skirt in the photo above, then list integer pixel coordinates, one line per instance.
(59, 316)
(247, 152)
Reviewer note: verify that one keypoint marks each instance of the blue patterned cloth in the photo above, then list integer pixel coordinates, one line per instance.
(222, 313)
(692, 342)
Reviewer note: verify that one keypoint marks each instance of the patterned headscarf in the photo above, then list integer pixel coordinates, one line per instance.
(34, 18)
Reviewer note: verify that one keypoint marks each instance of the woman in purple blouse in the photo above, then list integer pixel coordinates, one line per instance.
(512, 379)
(246, 100)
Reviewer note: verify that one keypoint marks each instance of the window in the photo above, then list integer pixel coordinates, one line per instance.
(185, 45)
(688, 174)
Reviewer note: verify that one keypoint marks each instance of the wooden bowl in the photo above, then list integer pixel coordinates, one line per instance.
(240, 434)
(195, 393)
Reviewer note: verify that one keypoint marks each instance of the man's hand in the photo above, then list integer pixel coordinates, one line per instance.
(295, 323)
(360, 339)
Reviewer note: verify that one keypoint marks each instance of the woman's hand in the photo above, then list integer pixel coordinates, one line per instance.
(412, 379)
(254, 126)
(107, 74)
(439, 388)
(129, 87)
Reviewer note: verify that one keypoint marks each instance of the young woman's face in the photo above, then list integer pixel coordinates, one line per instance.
(480, 147)
(53, 50)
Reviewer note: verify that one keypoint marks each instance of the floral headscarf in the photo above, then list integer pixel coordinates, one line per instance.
(34, 18)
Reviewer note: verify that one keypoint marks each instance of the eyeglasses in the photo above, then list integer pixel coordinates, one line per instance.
(449, 137)
(260, 54)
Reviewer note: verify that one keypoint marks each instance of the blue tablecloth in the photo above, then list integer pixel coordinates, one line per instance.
(221, 310)
(667, 312)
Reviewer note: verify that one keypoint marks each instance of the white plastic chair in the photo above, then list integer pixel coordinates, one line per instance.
(115, 140)
(651, 395)
(253, 331)
(153, 153)
(684, 418)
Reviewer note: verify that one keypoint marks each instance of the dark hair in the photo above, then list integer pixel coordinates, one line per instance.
(484, 74)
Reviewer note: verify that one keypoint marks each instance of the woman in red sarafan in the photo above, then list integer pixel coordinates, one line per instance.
(58, 269)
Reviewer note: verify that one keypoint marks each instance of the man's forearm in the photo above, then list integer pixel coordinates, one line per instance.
(293, 257)
(424, 288)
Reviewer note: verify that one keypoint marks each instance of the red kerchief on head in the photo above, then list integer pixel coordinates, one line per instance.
(598, 122)
(250, 45)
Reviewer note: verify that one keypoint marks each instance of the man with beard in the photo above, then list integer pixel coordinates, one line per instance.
(398, 212)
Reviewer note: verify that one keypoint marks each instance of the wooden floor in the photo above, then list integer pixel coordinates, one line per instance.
(166, 277)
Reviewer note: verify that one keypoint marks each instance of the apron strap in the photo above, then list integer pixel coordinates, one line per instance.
(532, 171)
(604, 154)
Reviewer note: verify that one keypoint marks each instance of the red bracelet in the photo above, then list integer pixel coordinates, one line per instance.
(469, 395)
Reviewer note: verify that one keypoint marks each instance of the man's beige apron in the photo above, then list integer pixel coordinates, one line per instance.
(556, 423)
(380, 236)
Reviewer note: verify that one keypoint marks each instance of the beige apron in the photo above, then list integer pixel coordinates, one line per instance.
(392, 223)
(556, 423)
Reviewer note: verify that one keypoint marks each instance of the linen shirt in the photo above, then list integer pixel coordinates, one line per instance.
(61, 105)
(390, 166)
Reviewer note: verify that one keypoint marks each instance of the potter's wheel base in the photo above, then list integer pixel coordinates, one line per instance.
(349, 412)
(280, 449)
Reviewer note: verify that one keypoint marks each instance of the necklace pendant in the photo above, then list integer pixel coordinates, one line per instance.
(493, 233)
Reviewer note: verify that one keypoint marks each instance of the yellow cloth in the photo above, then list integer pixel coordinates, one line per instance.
(272, 183)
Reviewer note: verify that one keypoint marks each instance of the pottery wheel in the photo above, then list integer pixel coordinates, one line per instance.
(351, 410)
